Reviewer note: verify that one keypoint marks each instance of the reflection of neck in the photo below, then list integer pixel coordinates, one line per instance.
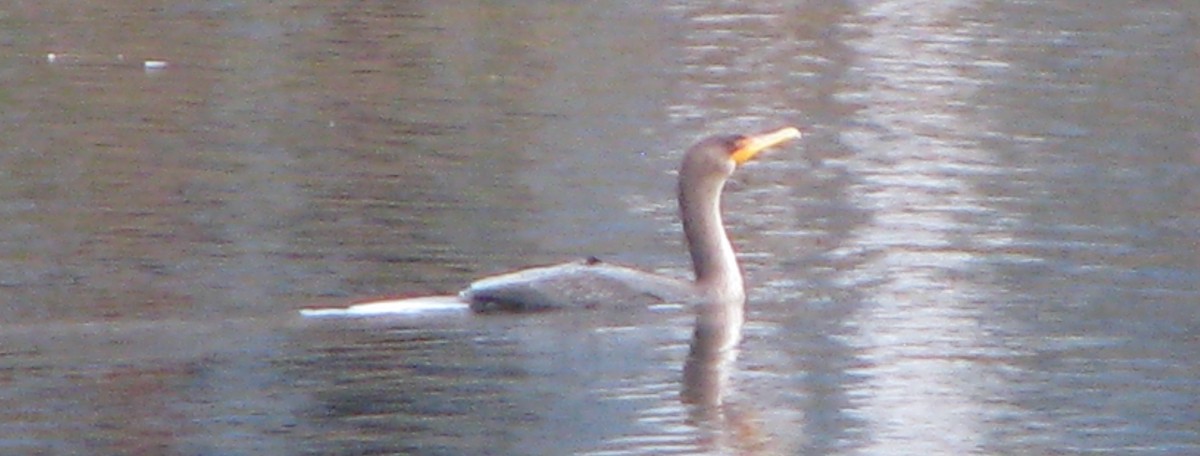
(706, 383)
(710, 358)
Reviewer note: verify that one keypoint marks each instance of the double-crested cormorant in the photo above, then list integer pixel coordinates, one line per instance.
(592, 283)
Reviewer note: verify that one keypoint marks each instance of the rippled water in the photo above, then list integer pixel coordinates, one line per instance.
(987, 243)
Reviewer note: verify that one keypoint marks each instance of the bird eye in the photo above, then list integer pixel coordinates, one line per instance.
(737, 142)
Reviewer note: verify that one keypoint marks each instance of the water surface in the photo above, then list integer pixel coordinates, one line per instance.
(987, 243)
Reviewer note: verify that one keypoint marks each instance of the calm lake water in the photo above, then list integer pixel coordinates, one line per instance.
(987, 243)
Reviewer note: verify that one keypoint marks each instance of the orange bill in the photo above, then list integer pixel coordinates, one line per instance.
(751, 145)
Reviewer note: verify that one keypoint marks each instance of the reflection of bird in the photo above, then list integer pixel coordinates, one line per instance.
(592, 283)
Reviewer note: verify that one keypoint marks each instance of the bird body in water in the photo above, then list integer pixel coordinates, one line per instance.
(586, 284)
(592, 283)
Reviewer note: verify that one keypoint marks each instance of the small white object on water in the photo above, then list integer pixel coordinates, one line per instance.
(51, 57)
(419, 306)
(155, 64)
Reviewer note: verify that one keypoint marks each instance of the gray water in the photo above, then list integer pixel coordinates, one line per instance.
(987, 243)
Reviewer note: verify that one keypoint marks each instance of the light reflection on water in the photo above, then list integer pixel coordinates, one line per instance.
(986, 243)
(927, 364)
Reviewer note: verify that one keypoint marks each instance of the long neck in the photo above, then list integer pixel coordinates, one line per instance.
(717, 271)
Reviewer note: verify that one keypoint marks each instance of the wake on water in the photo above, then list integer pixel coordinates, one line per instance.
(409, 306)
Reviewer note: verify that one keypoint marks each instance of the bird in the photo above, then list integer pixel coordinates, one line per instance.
(591, 283)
